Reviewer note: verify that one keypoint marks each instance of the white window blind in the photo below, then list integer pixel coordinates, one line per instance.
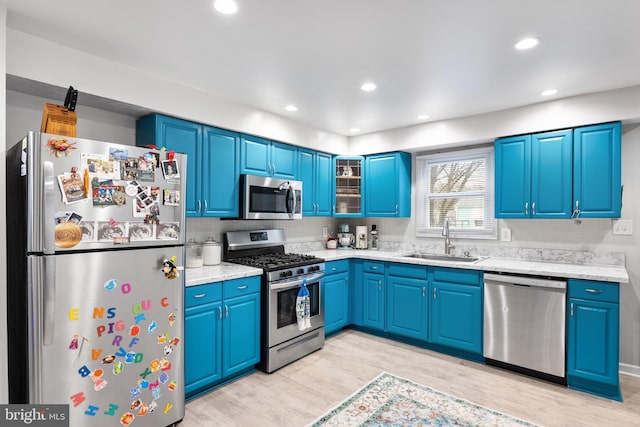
(457, 185)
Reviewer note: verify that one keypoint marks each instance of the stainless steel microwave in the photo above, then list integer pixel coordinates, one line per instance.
(271, 198)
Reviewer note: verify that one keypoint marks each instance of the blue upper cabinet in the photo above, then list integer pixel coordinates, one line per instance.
(314, 170)
(533, 176)
(512, 176)
(266, 158)
(212, 162)
(221, 188)
(597, 171)
(388, 185)
(349, 184)
(551, 177)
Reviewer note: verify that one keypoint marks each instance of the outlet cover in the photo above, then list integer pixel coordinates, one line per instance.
(325, 231)
(505, 234)
(623, 227)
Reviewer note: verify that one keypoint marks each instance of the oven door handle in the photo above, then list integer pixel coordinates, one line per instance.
(297, 283)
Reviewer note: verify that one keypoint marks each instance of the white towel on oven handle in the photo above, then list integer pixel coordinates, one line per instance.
(302, 307)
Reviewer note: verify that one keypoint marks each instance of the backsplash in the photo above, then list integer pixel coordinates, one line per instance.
(564, 241)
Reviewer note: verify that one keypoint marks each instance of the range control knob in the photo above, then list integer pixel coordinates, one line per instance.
(301, 271)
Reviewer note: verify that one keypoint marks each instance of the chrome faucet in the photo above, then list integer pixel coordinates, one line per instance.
(447, 240)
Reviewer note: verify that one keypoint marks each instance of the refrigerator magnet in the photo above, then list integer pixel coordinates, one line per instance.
(171, 197)
(72, 188)
(170, 169)
(61, 146)
(67, 235)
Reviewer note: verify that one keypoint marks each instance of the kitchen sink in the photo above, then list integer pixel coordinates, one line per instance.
(444, 257)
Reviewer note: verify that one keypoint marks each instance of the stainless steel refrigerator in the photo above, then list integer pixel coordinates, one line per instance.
(95, 235)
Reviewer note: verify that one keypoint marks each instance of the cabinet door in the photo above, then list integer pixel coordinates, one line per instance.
(255, 156)
(284, 160)
(349, 183)
(456, 316)
(323, 184)
(597, 171)
(551, 174)
(220, 179)
(306, 174)
(513, 176)
(592, 347)
(202, 354)
(388, 189)
(241, 333)
(336, 302)
(373, 308)
(407, 307)
(185, 137)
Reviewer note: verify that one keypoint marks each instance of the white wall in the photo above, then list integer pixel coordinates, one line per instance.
(40, 60)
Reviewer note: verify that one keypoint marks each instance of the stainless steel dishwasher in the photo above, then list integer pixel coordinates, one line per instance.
(524, 324)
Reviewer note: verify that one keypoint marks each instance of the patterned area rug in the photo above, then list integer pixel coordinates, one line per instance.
(393, 401)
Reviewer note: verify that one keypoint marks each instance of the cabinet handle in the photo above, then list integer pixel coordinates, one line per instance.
(243, 287)
(571, 309)
(576, 211)
(199, 207)
(379, 285)
(593, 291)
(533, 208)
(396, 209)
(220, 313)
(226, 311)
(334, 268)
(205, 207)
(200, 296)
(526, 208)
(424, 291)
(435, 291)
(373, 267)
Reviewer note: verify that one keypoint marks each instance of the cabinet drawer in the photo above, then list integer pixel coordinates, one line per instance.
(408, 270)
(202, 294)
(457, 275)
(373, 267)
(334, 267)
(244, 286)
(594, 291)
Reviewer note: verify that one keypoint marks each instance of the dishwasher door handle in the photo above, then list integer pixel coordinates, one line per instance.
(526, 281)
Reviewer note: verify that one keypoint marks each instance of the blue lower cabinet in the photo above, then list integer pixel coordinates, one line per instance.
(455, 309)
(336, 296)
(373, 288)
(592, 338)
(407, 307)
(222, 332)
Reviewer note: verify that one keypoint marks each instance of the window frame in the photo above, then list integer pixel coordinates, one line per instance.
(423, 161)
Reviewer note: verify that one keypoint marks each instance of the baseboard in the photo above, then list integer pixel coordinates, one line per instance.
(627, 369)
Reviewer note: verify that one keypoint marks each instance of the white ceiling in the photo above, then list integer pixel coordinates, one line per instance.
(444, 58)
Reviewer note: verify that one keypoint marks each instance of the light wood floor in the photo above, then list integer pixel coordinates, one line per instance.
(299, 393)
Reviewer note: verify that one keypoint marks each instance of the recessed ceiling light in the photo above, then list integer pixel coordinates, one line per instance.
(549, 92)
(291, 107)
(423, 117)
(527, 43)
(354, 130)
(228, 7)
(368, 87)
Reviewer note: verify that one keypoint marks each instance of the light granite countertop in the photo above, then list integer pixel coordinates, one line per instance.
(218, 273)
(605, 273)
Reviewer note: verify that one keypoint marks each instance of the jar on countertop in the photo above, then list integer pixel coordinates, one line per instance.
(212, 252)
(194, 254)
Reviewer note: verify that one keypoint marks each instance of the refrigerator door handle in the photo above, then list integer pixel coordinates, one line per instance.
(48, 214)
(49, 300)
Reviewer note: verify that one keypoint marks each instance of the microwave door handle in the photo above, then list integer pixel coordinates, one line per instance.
(291, 201)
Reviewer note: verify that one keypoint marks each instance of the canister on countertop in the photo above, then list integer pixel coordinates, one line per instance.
(212, 252)
(194, 254)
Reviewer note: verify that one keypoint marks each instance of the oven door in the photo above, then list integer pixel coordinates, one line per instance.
(283, 324)
(271, 198)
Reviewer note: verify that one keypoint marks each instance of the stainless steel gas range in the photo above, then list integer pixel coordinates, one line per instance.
(283, 274)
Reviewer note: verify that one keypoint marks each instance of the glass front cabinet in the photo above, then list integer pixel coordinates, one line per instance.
(349, 186)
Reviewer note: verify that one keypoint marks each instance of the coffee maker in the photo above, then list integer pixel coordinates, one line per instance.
(345, 237)
(361, 237)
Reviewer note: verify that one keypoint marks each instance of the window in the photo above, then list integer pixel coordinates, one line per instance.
(458, 186)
